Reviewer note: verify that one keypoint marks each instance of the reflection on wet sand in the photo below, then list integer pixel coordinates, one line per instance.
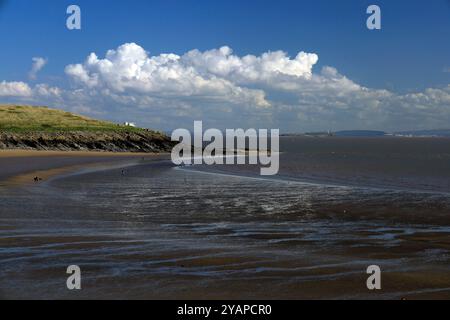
(164, 232)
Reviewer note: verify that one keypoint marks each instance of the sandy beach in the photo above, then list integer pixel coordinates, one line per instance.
(19, 167)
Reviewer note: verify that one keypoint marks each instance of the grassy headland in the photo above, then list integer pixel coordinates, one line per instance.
(42, 128)
(42, 119)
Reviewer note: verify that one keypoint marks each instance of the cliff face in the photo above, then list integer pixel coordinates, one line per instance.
(141, 141)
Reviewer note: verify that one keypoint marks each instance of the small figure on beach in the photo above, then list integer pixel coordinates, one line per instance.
(37, 179)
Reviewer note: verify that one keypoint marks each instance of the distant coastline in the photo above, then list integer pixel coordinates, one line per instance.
(439, 133)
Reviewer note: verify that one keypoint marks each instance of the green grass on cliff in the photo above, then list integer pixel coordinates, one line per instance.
(18, 119)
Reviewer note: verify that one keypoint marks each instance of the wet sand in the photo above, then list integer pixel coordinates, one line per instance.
(19, 167)
(179, 233)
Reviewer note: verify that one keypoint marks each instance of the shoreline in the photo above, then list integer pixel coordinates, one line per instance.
(14, 153)
(19, 167)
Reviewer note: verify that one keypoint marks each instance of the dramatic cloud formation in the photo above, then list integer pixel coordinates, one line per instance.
(38, 64)
(225, 90)
(223, 63)
(129, 69)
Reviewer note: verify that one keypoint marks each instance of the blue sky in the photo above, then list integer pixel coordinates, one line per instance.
(407, 56)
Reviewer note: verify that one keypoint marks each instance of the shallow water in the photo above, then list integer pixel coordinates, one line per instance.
(224, 232)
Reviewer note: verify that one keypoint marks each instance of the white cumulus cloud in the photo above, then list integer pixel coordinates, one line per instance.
(38, 64)
(210, 75)
(221, 62)
(14, 89)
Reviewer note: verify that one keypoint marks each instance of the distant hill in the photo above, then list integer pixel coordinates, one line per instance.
(42, 128)
(360, 133)
(425, 133)
(346, 133)
(374, 133)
